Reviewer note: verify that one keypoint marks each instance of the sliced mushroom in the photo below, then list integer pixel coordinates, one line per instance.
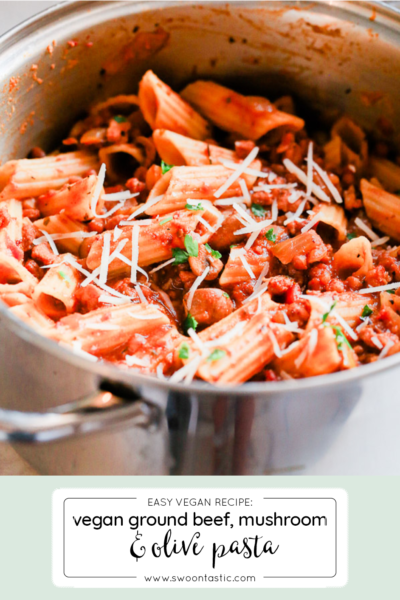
(203, 260)
(209, 305)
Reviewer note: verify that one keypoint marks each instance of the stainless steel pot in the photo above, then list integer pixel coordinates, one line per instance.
(66, 415)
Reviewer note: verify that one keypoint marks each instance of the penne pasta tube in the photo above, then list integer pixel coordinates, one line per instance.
(353, 143)
(74, 200)
(348, 305)
(315, 354)
(178, 150)
(128, 319)
(121, 160)
(391, 305)
(249, 116)
(181, 184)
(55, 293)
(11, 271)
(334, 216)
(63, 224)
(354, 258)
(333, 154)
(241, 344)
(243, 265)
(14, 298)
(140, 354)
(155, 243)
(24, 287)
(123, 104)
(11, 234)
(164, 109)
(382, 208)
(33, 316)
(30, 177)
(387, 172)
(301, 244)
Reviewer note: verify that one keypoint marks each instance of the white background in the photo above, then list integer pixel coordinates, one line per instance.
(101, 558)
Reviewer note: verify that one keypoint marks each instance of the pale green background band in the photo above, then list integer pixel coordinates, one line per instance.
(25, 538)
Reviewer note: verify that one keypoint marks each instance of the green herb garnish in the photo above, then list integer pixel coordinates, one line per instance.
(166, 220)
(270, 235)
(214, 253)
(64, 276)
(165, 168)
(326, 315)
(216, 354)
(184, 351)
(194, 206)
(366, 312)
(226, 295)
(258, 210)
(179, 255)
(390, 291)
(189, 323)
(341, 339)
(351, 236)
(120, 119)
(191, 246)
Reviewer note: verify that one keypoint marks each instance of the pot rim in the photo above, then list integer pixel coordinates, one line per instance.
(110, 371)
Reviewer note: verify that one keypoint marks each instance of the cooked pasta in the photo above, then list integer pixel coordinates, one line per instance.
(206, 235)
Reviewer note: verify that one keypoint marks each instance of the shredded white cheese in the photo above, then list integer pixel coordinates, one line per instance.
(206, 224)
(230, 201)
(295, 216)
(195, 285)
(145, 206)
(386, 349)
(164, 264)
(364, 227)
(265, 187)
(311, 223)
(144, 317)
(197, 340)
(119, 196)
(238, 171)
(380, 241)
(49, 239)
(301, 176)
(263, 274)
(105, 255)
(244, 214)
(115, 301)
(227, 337)
(275, 345)
(63, 236)
(117, 233)
(103, 286)
(142, 297)
(92, 276)
(160, 371)
(309, 168)
(76, 347)
(245, 190)
(363, 324)
(377, 342)
(308, 349)
(137, 362)
(379, 288)
(325, 178)
(98, 189)
(248, 171)
(135, 252)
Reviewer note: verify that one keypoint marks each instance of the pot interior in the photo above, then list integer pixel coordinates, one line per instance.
(336, 56)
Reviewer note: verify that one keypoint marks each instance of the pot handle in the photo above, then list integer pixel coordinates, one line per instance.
(100, 411)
